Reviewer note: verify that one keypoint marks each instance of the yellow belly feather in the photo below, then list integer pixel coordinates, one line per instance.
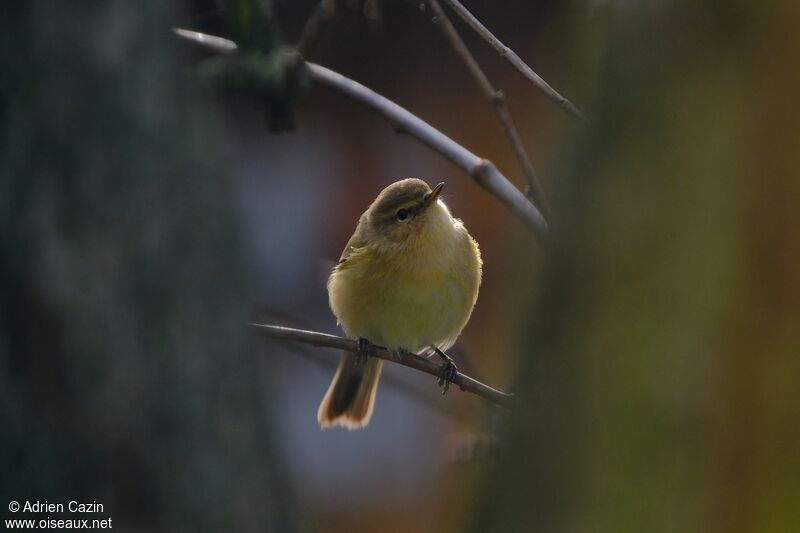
(413, 299)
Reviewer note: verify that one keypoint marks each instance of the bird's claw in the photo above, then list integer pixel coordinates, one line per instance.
(365, 350)
(447, 373)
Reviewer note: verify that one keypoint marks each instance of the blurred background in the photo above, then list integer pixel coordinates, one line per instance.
(148, 212)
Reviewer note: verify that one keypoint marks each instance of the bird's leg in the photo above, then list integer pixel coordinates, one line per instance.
(365, 350)
(448, 372)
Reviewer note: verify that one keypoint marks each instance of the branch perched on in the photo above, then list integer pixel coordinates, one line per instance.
(513, 58)
(498, 101)
(482, 170)
(416, 362)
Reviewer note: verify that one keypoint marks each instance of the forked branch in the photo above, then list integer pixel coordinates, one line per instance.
(513, 58)
(498, 101)
(482, 170)
(410, 360)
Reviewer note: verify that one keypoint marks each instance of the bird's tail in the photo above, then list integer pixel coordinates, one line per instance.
(351, 395)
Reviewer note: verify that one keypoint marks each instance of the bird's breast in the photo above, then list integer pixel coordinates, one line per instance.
(420, 296)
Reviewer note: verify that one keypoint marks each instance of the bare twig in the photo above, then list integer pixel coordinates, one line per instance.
(217, 44)
(513, 58)
(416, 362)
(498, 101)
(482, 170)
(415, 393)
(311, 31)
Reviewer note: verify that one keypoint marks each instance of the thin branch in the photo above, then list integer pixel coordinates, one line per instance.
(416, 362)
(513, 58)
(414, 392)
(498, 101)
(268, 314)
(311, 31)
(483, 171)
(217, 44)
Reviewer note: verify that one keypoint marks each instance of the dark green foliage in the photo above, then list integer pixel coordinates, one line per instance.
(261, 69)
(275, 81)
(251, 25)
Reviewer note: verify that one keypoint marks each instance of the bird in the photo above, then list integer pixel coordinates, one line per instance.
(407, 280)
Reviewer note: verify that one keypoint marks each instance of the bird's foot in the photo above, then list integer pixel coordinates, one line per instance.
(365, 350)
(448, 372)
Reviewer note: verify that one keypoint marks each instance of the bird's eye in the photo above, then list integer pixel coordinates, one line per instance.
(402, 214)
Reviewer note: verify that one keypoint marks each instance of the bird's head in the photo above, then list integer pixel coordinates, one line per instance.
(404, 209)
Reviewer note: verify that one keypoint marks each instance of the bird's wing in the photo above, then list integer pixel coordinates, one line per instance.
(356, 241)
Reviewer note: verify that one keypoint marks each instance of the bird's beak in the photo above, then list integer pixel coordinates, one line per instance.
(431, 197)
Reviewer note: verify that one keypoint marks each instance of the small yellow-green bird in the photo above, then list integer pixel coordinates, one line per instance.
(407, 280)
